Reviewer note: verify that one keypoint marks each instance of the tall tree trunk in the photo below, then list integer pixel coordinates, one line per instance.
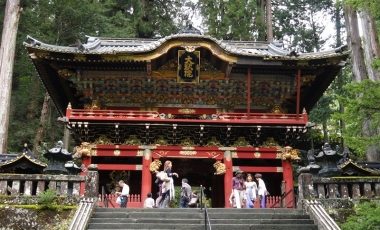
(44, 118)
(371, 51)
(268, 14)
(7, 53)
(371, 43)
(353, 39)
(31, 114)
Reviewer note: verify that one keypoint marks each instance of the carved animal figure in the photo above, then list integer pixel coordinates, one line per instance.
(155, 166)
(84, 150)
(220, 168)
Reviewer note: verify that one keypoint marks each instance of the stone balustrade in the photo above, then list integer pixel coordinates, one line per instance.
(33, 184)
(337, 192)
(346, 187)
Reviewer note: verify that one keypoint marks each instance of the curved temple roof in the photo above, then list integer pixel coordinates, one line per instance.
(99, 45)
(146, 70)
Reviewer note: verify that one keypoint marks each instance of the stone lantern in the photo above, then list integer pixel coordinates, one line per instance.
(329, 159)
(57, 157)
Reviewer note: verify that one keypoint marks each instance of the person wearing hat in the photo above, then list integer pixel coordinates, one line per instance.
(238, 188)
(261, 190)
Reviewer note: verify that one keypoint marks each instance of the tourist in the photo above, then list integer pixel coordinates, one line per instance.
(261, 190)
(250, 191)
(123, 194)
(194, 199)
(167, 188)
(185, 194)
(238, 188)
(149, 202)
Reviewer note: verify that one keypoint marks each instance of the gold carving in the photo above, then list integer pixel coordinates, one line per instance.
(241, 142)
(94, 152)
(103, 140)
(270, 143)
(132, 140)
(290, 154)
(140, 153)
(65, 73)
(155, 166)
(187, 142)
(80, 57)
(234, 154)
(186, 111)
(84, 150)
(188, 152)
(279, 169)
(277, 109)
(116, 152)
(138, 167)
(213, 142)
(257, 154)
(213, 154)
(161, 153)
(190, 48)
(220, 168)
(160, 141)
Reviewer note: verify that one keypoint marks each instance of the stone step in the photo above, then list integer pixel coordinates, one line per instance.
(202, 227)
(201, 221)
(218, 210)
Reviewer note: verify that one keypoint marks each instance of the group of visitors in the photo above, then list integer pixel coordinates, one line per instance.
(246, 191)
(243, 191)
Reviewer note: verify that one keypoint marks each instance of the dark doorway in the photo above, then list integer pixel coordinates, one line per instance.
(198, 172)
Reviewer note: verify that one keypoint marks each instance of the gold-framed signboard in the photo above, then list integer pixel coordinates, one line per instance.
(188, 66)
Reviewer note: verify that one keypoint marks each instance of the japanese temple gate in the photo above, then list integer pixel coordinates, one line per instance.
(210, 106)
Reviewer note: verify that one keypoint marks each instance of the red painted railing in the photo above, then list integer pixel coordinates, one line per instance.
(136, 115)
(134, 201)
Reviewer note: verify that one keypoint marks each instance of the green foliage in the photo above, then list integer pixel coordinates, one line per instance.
(362, 110)
(366, 217)
(233, 20)
(47, 199)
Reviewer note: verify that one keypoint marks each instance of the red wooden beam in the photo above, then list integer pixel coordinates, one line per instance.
(118, 167)
(259, 169)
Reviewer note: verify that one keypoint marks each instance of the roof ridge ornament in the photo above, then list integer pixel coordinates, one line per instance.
(189, 29)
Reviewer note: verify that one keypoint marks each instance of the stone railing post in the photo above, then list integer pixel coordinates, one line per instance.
(91, 187)
(305, 188)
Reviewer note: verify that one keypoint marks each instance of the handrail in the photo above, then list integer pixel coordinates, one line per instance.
(283, 196)
(207, 218)
(319, 215)
(83, 214)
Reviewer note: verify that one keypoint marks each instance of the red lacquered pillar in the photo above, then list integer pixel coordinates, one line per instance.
(288, 178)
(227, 160)
(146, 183)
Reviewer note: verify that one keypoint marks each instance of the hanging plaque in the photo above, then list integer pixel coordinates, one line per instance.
(188, 66)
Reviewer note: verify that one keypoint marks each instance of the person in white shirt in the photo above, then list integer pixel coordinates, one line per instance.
(123, 194)
(261, 190)
(250, 191)
(149, 202)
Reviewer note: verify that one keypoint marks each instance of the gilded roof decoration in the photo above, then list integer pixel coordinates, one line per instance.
(369, 170)
(160, 141)
(25, 156)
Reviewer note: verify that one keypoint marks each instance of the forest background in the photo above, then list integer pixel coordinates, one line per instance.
(347, 114)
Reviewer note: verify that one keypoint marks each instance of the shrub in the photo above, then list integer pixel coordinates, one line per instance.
(366, 217)
(47, 199)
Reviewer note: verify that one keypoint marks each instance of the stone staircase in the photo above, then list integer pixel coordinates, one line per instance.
(191, 218)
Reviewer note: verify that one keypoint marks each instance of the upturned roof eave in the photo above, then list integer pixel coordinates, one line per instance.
(267, 51)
